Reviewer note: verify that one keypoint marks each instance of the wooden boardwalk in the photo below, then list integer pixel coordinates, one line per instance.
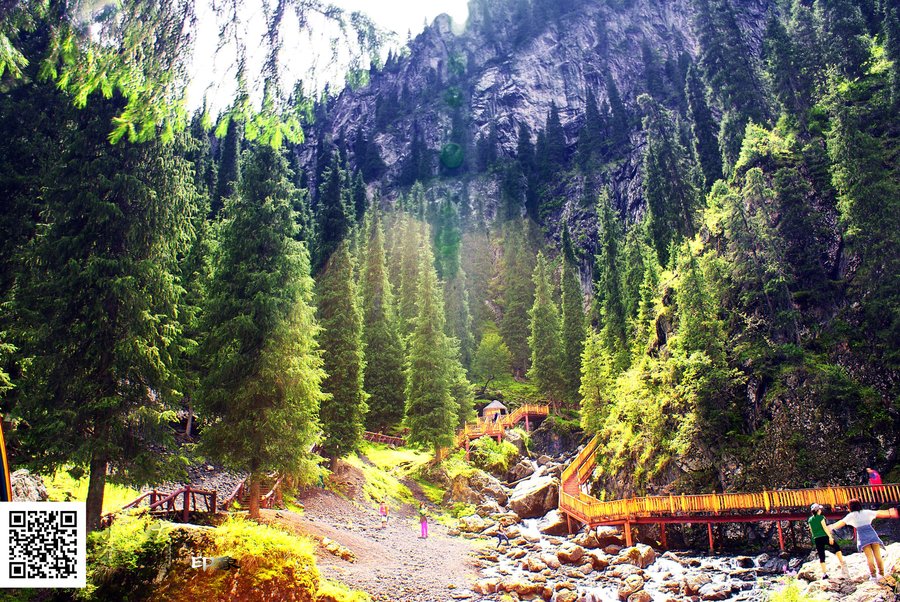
(527, 413)
(764, 506)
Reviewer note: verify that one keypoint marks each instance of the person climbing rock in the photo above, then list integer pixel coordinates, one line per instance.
(822, 537)
(867, 540)
(423, 520)
(383, 511)
(501, 535)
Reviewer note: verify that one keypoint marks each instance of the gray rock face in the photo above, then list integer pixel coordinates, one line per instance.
(508, 80)
(27, 487)
(475, 489)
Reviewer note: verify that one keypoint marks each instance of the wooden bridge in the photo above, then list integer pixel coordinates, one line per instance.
(764, 506)
(177, 505)
(385, 439)
(528, 413)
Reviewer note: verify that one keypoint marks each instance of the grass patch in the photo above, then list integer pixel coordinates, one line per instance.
(791, 593)
(434, 493)
(63, 487)
(455, 464)
(332, 591)
(381, 485)
(515, 393)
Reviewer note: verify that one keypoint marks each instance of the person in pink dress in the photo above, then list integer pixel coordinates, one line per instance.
(423, 520)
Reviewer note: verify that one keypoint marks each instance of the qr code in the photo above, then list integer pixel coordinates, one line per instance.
(42, 544)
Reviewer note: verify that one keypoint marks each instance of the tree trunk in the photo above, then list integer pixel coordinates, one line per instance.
(190, 420)
(253, 508)
(96, 485)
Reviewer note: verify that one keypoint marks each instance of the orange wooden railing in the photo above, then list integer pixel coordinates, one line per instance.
(382, 438)
(590, 510)
(166, 503)
(490, 427)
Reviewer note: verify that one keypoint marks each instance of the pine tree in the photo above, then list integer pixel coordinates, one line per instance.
(573, 319)
(96, 302)
(456, 297)
(544, 341)
(607, 290)
(619, 121)
(590, 139)
(669, 185)
(431, 411)
(335, 216)
(706, 144)
(358, 199)
(554, 142)
(781, 64)
(229, 171)
(342, 413)
(891, 29)
(263, 369)
(408, 259)
(596, 383)
(518, 296)
(384, 379)
(842, 35)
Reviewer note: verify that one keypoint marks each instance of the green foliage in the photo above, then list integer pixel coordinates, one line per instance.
(518, 295)
(431, 411)
(112, 231)
(452, 155)
(453, 97)
(332, 591)
(791, 593)
(384, 379)
(572, 324)
(544, 341)
(263, 368)
(492, 359)
(63, 487)
(487, 454)
(343, 411)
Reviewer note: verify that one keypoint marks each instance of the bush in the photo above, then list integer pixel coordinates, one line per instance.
(491, 456)
(791, 593)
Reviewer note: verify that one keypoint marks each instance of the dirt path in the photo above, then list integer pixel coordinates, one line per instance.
(392, 564)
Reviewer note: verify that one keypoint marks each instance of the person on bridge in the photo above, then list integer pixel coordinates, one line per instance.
(875, 482)
(822, 536)
(867, 540)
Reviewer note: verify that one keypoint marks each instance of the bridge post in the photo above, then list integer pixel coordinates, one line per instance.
(186, 505)
(709, 532)
(153, 497)
(628, 541)
(568, 524)
(527, 426)
(780, 536)
(467, 448)
(662, 536)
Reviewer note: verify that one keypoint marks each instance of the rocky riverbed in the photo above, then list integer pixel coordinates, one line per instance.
(543, 562)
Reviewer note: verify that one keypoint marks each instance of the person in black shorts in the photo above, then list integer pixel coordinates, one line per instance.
(823, 537)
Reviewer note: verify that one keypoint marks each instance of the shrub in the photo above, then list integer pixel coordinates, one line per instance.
(491, 456)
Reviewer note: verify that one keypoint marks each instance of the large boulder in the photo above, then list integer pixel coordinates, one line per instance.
(632, 584)
(640, 555)
(520, 471)
(475, 488)
(609, 536)
(516, 438)
(27, 487)
(570, 553)
(553, 524)
(473, 524)
(534, 497)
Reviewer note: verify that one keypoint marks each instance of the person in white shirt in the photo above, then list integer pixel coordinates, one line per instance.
(867, 540)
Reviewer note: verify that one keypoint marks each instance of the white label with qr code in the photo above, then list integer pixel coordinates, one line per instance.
(42, 544)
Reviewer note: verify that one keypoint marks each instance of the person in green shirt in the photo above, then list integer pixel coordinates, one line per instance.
(822, 537)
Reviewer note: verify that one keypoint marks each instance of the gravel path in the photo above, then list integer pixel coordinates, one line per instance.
(392, 564)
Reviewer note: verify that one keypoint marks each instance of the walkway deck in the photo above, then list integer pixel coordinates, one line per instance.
(528, 413)
(764, 506)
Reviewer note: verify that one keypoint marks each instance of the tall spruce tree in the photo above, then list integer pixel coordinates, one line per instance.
(335, 216)
(544, 339)
(607, 287)
(432, 412)
(261, 388)
(409, 245)
(342, 413)
(384, 380)
(518, 296)
(456, 297)
(96, 304)
(706, 142)
(669, 184)
(573, 319)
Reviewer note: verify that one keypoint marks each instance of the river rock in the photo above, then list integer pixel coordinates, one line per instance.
(520, 471)
(520, 586)
(507, 519)
(553, 524)
(473, 524)
(27, 487)
(588, 540)
(544, 460)
(475, 488)
(485, 586)
(534, 497)
(550, 560)
(570, 553)
(599, 560)
(534, 564)
(640, 555)
(487, 508)
(633, 583)
(608, 536)
(518, 440)
(566, 595)
(692, 583)
(715, 591)
(744, 562)
(640, 596)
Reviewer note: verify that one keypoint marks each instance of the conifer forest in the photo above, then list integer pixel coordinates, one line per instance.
(678, 224)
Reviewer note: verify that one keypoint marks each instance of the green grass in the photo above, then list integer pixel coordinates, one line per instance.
(516, 393)
(791, 593)
(62, 487)
(455, 464)
(332, 590)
